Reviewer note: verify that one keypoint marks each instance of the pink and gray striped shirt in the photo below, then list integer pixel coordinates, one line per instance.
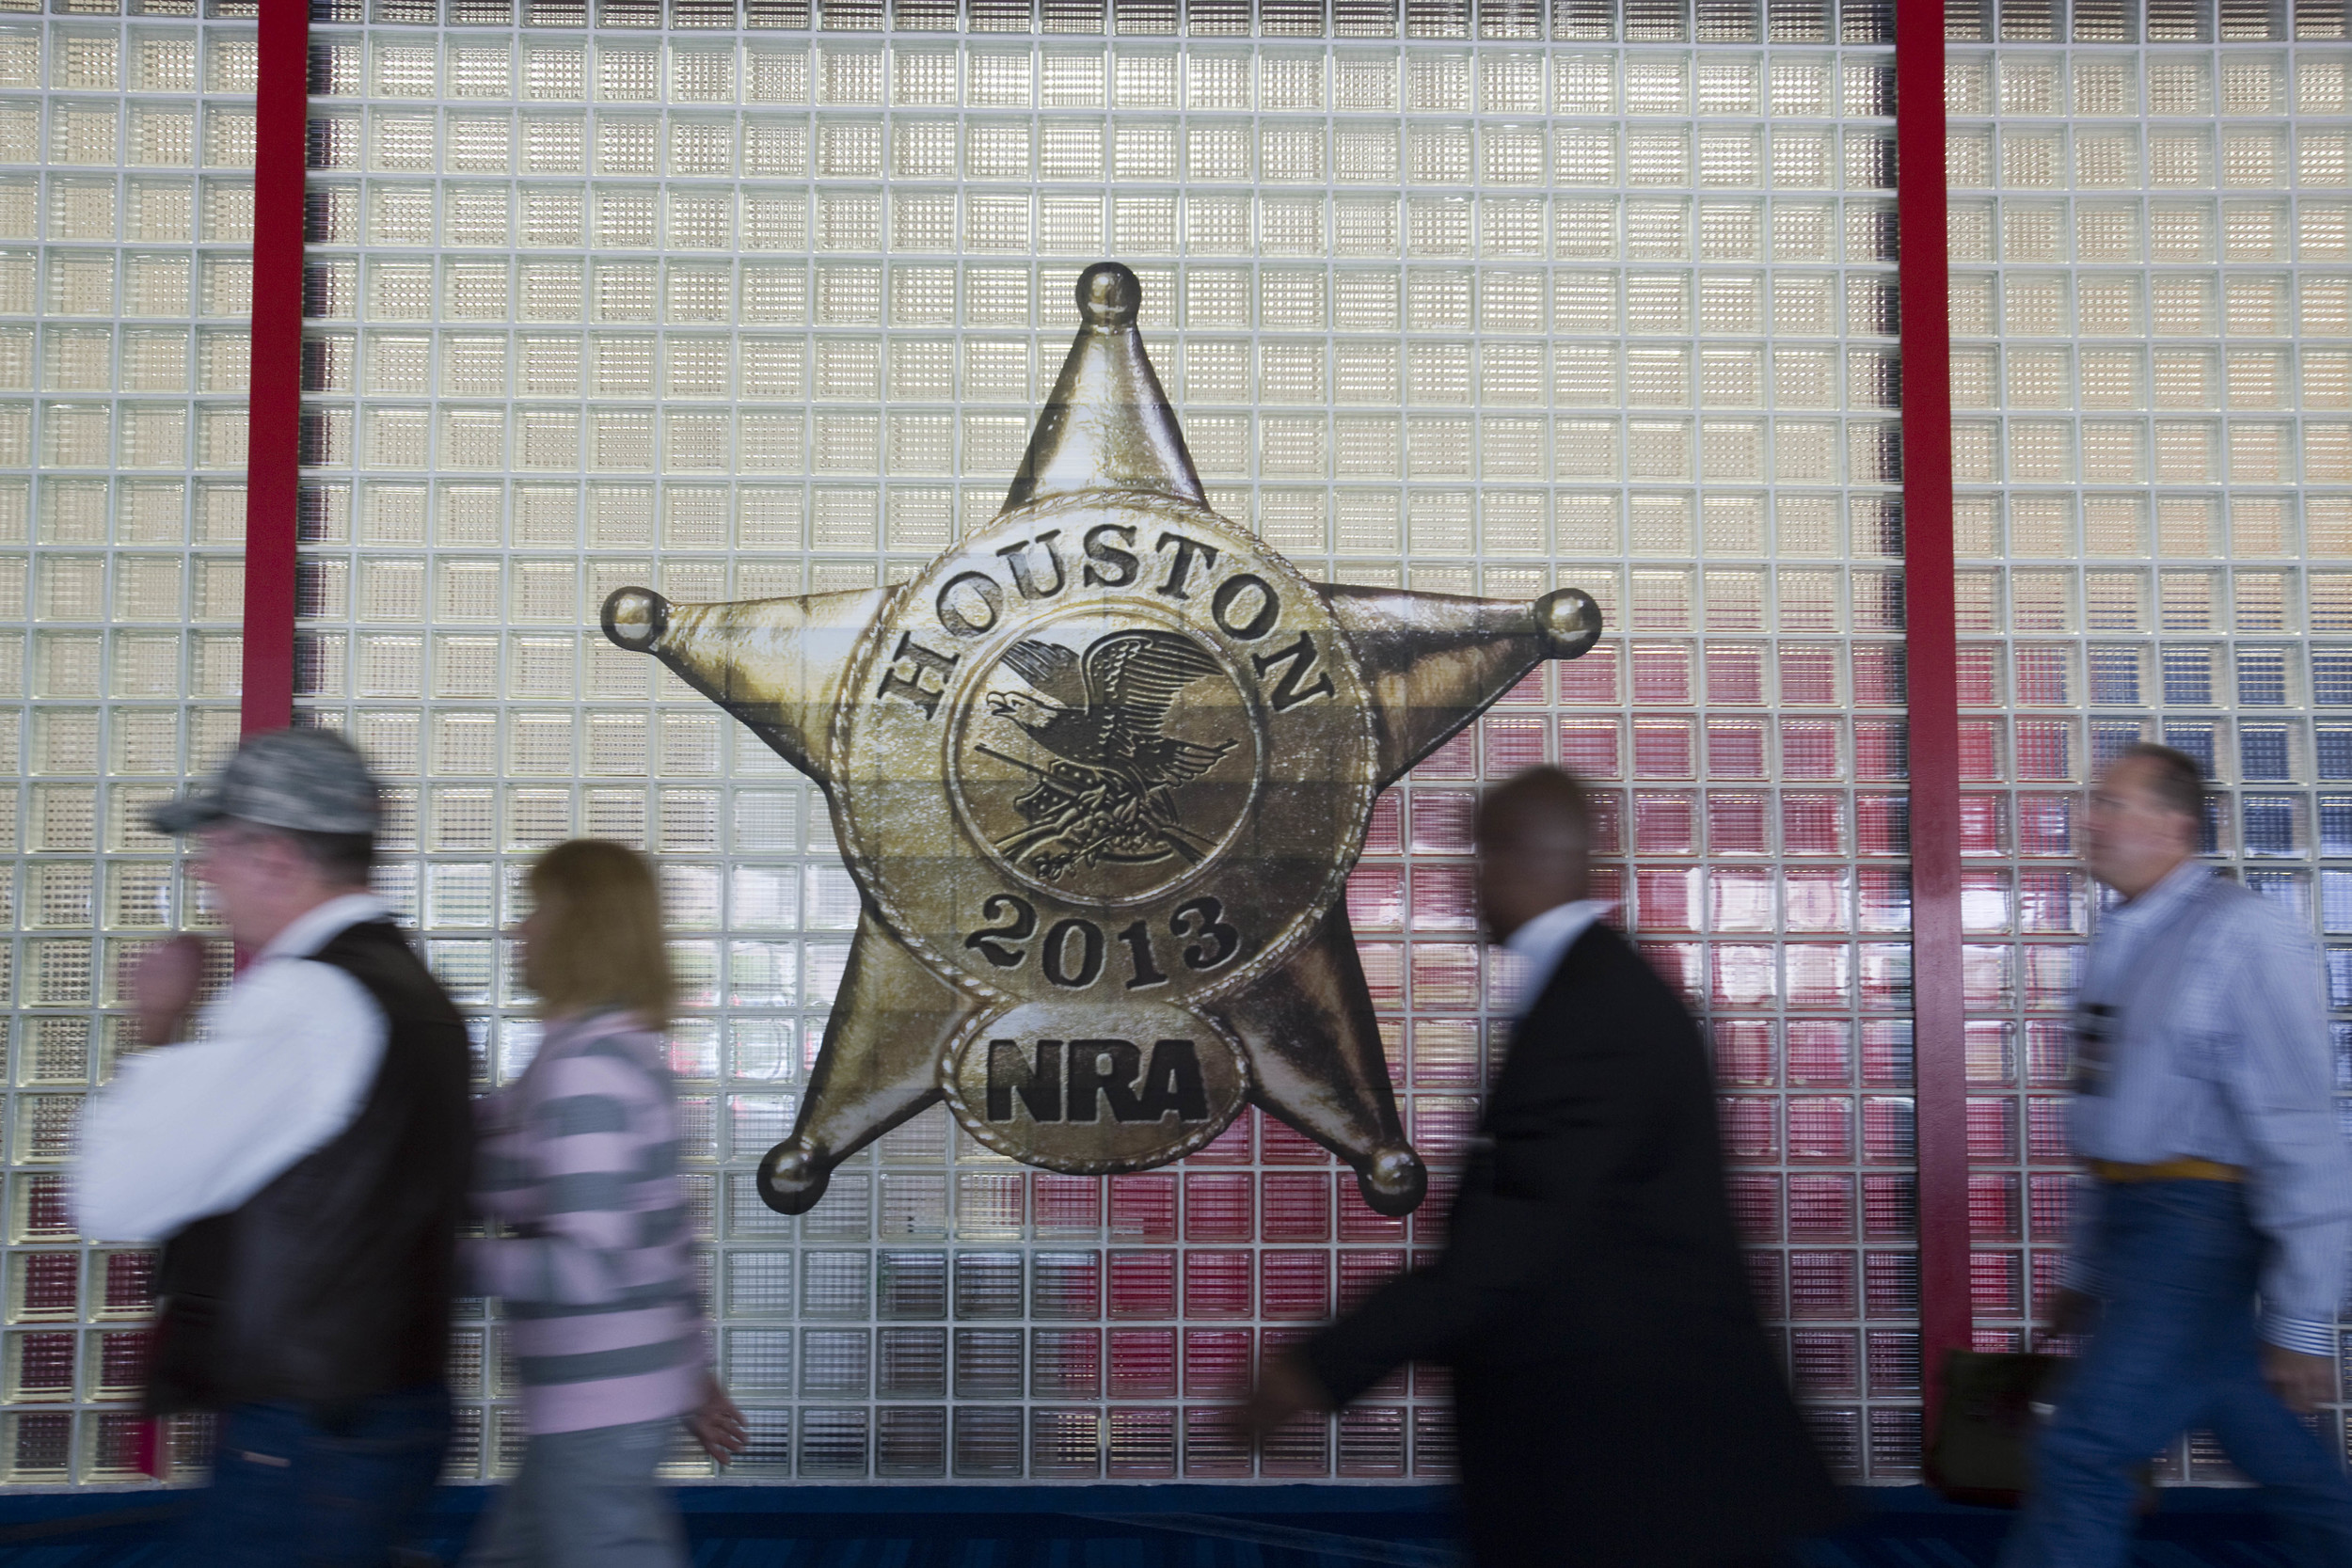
(579, 1157)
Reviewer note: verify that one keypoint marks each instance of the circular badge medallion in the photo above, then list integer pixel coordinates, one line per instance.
(1110, 748)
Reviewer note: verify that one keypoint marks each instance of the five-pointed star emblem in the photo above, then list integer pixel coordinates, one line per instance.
(1101, 771)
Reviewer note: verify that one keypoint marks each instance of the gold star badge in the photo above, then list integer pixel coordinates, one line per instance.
(1100, 771)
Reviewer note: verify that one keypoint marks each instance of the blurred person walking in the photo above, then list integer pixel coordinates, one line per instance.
(1617, 1402)
(302, 1153)
(579, 1158)
(2204, 1109)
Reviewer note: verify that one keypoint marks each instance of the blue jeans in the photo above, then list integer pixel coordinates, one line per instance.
(2175, 1349)
(586, 1500)
(288, 1490)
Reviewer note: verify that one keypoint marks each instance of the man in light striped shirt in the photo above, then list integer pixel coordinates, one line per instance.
(2210, 1238)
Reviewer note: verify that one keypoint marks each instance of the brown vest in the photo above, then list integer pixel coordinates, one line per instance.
(332, 1284)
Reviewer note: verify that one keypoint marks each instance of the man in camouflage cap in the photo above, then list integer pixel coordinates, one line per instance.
(300, 1148)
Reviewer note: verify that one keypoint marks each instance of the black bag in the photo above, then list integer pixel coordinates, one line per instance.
(1980, 1449)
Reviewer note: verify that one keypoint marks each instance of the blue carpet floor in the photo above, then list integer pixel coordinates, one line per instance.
(1133, 1527)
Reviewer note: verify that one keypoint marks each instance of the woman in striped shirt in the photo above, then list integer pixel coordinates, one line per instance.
(579, 1158)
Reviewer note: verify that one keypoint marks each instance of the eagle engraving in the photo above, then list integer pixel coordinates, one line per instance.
(1110, 793)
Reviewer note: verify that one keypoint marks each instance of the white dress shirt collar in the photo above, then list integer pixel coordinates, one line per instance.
(1543, 942)
(313, 930)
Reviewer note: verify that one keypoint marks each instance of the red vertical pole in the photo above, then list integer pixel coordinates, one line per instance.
(1938, 1000)
(273, 455)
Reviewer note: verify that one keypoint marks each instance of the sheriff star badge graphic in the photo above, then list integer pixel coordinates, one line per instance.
(1100, 771)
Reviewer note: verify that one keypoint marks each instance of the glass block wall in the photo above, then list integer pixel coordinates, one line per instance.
(2151, 303)
(739, 302)
(126, 151)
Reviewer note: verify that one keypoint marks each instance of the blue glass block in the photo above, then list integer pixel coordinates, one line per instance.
(2115, 678)
(2335, 900)
(2335, 824)
(2331, 750)
(2188, 677)
(2209, 833)
(2111, 737)
(2331, 677)
(2339, 1034)
(2290, 890)
(2196, 741)
(2266, 824)
(2261, 677)
(2263, 753)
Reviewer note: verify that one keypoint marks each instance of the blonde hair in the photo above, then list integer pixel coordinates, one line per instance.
(598, 943)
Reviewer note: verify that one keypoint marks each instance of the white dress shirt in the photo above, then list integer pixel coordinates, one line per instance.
(1543, 942)
(283, 1062)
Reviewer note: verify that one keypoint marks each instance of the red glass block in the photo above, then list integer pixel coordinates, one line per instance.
(1457, 758)
(1142, 1444)
(1809, 748)
(1881, 675)
(1216, 1207)
(1443, 1126)
(1591, 681)
(1608, 813)
(1767, 1282)
(1754, 1205)
(44, 1365)
(1735, 749)
(1142, 1284)
(1662, 823)
(1296, 1206)
(1893, 1358)
(1216, 1363)
(1881, 749)
(1889, 1130)
(1428, 1221)
(1824, 1362)
(1384, 972)
(1744, 975)
(2054, 972)
(1820, 975)
(1813, 897)
(1992, 1128)
(1512, 743)
(1980, 750)
(1372, 1441)
(1214, 1448)
(1997, 1285)
(1978, 668)
(1993, 1206)
(1667, 898)
(1357, 1220)
(1445, 1056)
(1216, 1283)
(2046, 826)
(1820, 1208)
(1990, 1047)
(1280, 1144)
(1891, 1284)
(1066, 1364)
(1444, 821)
(1680, 964)
(1294, 1285)
(1821, 1050)
(1890, 1206)
(50, 1284)
(2046, 1130)
(1385, 834)
(2047, 748)
(1067, 1285)
(1590, 745)
(1988, 977)
(1744, 1050)
(1813, 824)
(44, 1211)
(1661, 673)
(1231, 1147)
(1142, 1362)
(1300, 1446)
(1983, 825)
(2041, 676)
(1886, 1052)
(1883, 896)
(1739, 898)
(1808, 675)
(2050, 1202)
(1750, 1125)
(2049, 1052)
(1362, 1273)
(1821, 1284)
(1735, 673)
(1997, 1342)
(1445, 973)
(2053, 903)
(1885, 968)
(1066, 1205)
(1435, 1452)
(1664, 748)
(1529, 691)
(1391, 1050)
(1882, 824)
(1143, 1208)
(1445, 897)
(1821, 1128)
(1736, 823)
(1375, 897)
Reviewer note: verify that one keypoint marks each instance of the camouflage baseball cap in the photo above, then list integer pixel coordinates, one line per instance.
(313, 781)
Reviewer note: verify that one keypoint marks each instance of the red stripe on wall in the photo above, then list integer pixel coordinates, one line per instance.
(1938, 1000)
(273, 455)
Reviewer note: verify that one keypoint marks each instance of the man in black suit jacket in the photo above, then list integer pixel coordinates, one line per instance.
(1618, 1404)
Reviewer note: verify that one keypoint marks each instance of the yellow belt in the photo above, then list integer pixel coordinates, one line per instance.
(2186, 1170)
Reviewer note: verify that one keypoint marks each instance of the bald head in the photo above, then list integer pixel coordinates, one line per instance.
(1535, 847)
